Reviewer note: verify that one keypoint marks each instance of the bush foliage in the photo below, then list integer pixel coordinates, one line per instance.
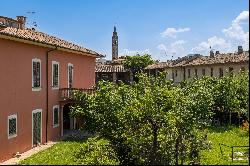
(154, 122)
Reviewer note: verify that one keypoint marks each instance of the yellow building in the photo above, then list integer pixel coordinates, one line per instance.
(217, 65)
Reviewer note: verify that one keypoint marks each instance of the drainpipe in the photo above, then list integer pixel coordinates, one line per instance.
(47, 88)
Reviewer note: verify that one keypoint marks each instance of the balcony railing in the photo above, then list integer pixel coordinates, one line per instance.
(68, 93)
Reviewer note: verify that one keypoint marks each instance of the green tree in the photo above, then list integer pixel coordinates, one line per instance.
(150, 122)
(137, 63)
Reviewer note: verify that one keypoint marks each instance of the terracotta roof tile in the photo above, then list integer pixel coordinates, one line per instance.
(203, 60)
(159, 65)
(40, 37)
(220, 59)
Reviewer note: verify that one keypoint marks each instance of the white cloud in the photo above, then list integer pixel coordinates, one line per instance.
(215, 42)
(171, 32)
(178, 43)
(234, 36)
(175, 48)
(235, 32)
(134, 52)
(243, 16)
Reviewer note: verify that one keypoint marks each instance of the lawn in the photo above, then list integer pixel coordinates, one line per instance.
(64, 152)
(231, 136)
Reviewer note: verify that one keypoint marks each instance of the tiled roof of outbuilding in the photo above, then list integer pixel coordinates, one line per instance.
(159, 65)
(220, 59)
(203, 60)
(110, 68)
(40, 37)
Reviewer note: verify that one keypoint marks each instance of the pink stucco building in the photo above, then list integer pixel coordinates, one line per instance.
(34, 67)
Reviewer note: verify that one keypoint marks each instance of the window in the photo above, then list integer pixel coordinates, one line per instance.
(242, 69)
(231, 70)
(221, 72)
(175, 73)
(12, 126)
(212, 72)
(203, 72)
(188, 73)
(55, 75)
(196, 73)
(36, 74)
(70, 75)
(55, 116)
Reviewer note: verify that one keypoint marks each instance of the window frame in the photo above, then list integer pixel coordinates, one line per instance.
(13, 116)
(196, 73)
(36, 88)
(70, 65)
(230, 70)
(56, 125)
(189, 73)
(242, 69)
(52, 75)
(221, 74)
(203, 72)
(32, 129)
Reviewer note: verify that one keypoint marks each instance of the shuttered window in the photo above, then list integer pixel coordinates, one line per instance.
(55, 74)
(12, 126)
(203, 72)
(36, 73)
(221, 72)
(56, 116)
(196, 73)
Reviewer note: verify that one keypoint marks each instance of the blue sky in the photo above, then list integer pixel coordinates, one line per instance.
(162, 28)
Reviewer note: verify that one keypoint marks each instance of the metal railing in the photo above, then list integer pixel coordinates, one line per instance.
(232, 150)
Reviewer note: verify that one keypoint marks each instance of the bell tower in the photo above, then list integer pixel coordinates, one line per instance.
(114, 45)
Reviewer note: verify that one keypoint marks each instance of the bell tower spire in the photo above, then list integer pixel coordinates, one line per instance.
(114, 45)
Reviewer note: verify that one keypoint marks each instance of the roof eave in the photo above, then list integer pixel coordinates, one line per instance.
(42, 44)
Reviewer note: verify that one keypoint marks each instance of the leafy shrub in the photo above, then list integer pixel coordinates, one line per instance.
(96, 151)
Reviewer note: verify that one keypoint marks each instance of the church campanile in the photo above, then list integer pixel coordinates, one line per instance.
(114, 45)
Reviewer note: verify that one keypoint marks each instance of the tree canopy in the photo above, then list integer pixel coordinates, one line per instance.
(151, 121)
(137, 62)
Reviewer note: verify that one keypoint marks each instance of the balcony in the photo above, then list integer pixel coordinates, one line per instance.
(67, 94)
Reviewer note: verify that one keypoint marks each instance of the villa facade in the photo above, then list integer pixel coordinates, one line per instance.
(37, 71)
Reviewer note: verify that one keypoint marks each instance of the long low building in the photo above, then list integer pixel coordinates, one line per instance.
(216, 65)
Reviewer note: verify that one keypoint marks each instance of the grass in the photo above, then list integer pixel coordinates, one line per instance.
(64, 152)
(228, 135)
(61, 153)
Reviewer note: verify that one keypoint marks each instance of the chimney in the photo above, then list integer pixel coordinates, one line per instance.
(240, 49)
(21, 20)
(217, 52)
(211, 54)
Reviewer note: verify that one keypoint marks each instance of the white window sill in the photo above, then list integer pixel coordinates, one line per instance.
(54, 126)
(36, 89)
(12, 136)
(55, 88)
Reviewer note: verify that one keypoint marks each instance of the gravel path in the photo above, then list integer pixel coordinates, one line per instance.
(27, 154)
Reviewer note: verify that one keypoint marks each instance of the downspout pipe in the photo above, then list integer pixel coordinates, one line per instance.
(47, 88)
